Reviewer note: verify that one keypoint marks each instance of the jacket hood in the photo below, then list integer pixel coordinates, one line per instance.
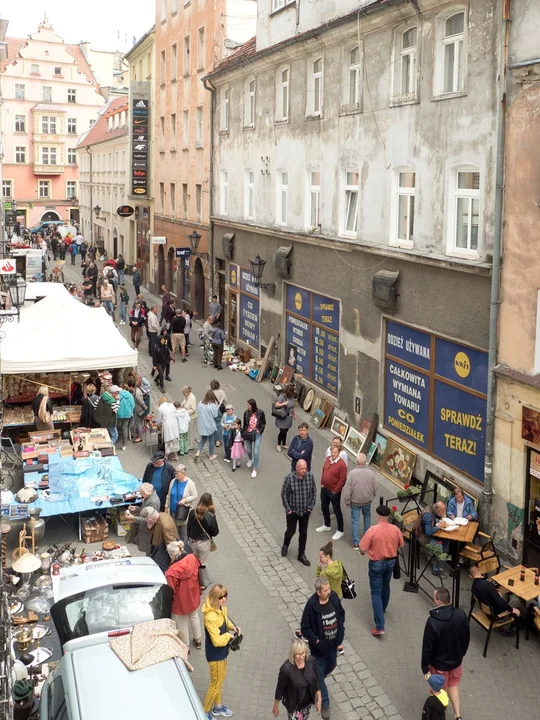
(443, 698)
(208, 609)
(444, 613)
(316, 605)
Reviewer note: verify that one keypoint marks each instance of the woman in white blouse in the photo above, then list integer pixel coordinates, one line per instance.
(189, 403)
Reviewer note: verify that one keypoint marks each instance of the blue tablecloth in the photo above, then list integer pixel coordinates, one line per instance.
(74, 482)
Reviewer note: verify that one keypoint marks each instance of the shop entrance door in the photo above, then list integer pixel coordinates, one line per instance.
(198, 288)
(169, 274)
(531, 550)
(161, 268)
(232, 315)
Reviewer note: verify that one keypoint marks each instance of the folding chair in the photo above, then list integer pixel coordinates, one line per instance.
(476, 553)
(486, 617)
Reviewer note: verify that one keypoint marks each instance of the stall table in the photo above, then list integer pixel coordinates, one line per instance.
(525, 590)
(464, 534)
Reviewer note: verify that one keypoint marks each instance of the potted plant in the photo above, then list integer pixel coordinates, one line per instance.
(408, 491)
(395, 516)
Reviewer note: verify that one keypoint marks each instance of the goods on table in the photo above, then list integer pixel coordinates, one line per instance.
(94, 529)
(18, 415)
(18, 388)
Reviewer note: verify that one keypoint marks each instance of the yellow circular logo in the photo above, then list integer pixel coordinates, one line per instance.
(233, 277)
(298, 301)
(462, 364)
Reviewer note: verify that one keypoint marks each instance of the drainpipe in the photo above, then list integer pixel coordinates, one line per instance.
(487, 491)
(211, 89)
(89, 151)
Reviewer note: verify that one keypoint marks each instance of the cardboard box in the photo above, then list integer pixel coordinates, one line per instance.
(94, 529)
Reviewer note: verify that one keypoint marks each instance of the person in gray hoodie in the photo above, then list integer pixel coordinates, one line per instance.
(358, 494)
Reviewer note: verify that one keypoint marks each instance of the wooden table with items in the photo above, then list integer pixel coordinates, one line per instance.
(464, 534)
(526, 590)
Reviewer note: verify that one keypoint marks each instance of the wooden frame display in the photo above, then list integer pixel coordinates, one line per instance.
(371, 452)
(380, 443)
(398, 463)
(354, 441)
(339, 427)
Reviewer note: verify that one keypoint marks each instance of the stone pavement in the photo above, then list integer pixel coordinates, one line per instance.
(376, 678)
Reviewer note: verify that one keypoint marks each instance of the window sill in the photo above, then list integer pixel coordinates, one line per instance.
(224, 132)
(198, 146)
(350, 109)
(200, 68)
(185, 147)
(162, 85)
(173, 80)
(318, 116)
(404, 99)
(404, 244)
(249, 127)
(173, 150)
(287, 6)
(448, 96)
(463, 254)
(185, 75)
(348, 235)
(281, 121)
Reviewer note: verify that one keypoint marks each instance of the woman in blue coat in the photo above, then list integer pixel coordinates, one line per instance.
(461, 506)
(207, 412)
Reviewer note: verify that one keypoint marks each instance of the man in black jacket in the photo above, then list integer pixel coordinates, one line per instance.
(446, 640)
(159, 474)
(486, 592)
(323, 626)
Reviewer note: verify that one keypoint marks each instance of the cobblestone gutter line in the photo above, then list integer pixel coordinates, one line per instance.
(352, 685)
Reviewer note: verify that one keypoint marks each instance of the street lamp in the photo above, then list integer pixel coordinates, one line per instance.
(257, 270)
(14, 206)
(75, 201)
(194, 240)
(17, 295)
(97, 210)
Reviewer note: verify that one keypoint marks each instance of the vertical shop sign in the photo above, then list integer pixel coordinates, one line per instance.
(240, 280)
(140, 137)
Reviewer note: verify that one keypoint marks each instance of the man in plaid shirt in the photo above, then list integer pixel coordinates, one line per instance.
(298, 498)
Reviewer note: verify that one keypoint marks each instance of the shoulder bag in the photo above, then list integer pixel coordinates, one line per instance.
(347, 586)
(281, 412)
(213, 546)
(182, 514)
(396, 572)
(235, 642)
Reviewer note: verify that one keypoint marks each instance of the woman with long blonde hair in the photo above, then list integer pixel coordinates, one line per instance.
(43, 409)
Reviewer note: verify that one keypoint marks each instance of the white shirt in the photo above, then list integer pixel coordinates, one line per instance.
(188, 324)
(342, 454)
(79, 239)
(459, 509)
(153, 322)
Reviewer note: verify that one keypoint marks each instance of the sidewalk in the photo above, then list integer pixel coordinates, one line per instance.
(376, 678)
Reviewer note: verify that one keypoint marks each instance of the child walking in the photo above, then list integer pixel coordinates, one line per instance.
(227, 426)
(238, 451)
(183, 427)
(437, 702)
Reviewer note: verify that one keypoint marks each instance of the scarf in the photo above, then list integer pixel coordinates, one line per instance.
(177, 493)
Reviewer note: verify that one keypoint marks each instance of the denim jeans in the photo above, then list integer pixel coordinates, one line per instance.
(109, 307)
(355, 520)
(252, 449)
(121, 277)
(123, 313)
(211, 443)
(113, 432)
(328, 497)
(326, 665)
(380, 574)
(218, 435)
(227, 445)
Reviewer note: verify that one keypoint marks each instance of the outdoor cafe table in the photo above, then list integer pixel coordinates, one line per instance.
(526, 590)
(464, 534)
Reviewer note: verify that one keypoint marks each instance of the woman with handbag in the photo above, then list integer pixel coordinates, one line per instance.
(179, 501)
(219, 630)
(298, 685)
(254, 424)
(182, 576)
(333, 570)
(207, 412)
(43, 409)
(283, 411)
(202, 528)
(221, 401)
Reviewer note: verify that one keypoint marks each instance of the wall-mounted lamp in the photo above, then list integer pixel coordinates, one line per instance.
(257, 270)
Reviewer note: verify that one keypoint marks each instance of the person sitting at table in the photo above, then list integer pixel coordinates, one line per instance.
(461, 506)
(427, 524)
(486, 592)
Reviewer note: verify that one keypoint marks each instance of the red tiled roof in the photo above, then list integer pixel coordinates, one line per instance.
(98, 133)
(243, 53)
(14, 45)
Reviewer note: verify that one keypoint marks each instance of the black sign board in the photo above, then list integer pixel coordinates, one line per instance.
(125, 211)
(182, 252)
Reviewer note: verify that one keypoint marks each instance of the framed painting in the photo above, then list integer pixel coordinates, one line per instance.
(317, 418)
(429, 488)
(371, 452)
(365, 427)
(354, 442)
(398, 463)
(339, 427)
(380, 446)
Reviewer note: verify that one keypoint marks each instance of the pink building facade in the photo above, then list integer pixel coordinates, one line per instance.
(50, 98)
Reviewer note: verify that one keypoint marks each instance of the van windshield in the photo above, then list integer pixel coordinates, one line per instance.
(111, 607)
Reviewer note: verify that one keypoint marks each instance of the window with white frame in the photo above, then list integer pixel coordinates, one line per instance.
(173, 131)
(225, 109)
(199, 127)
(313, 218)
(20, 154)
(405, 197)
(72, 126)
(350, 203)
(46, 93)
(20, 123)
(184, 200)
(163, 10)
(72, 95)
(7, 188)
(316, 92)
(186, 55)
(405, 65)
(34, 69)
(174, 6)
(198, 202)
(162, 131)
(58, 71)
(465, 186)
(174, 62)
(200, 49)
(172, 198)
(162, 67)
(48, 124)
(71, 189)
(162, 196)
(48, 156)
(278, 4)
(282, 197)
(44, 188)
(72, 156)
(249, 195)
(185, 128)
(282, 101)
(223, 192)
(19, 91)
(453, 58)
(353, 77)
(250, 104)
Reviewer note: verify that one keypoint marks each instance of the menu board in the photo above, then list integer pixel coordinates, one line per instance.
(312, 336)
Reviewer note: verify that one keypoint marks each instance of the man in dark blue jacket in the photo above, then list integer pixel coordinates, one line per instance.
(323, 626)
(301, 447)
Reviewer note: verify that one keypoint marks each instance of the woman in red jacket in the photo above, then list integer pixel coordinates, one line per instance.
(183, 577)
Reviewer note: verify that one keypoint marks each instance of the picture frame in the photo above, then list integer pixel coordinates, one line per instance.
(339, 427)
(354, 441)
(398, 463)
(317, 418)
(380, 446)
(317, 402)
(365, 427)
(327, 409)
(371, 452)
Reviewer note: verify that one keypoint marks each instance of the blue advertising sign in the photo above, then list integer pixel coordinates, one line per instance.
(298, 301)
(409, 344)
(247, 283)
(461, 364)
(459, 435)
(248, 330)
(325, 359)
(298, 335)
(406, 408)
(326, 311)
(182, 252)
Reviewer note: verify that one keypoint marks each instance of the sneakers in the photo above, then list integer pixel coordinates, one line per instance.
(218, 710)
(249, 463)
(323, 528)
(254, 474)
(123, 447)
(197, 455)
(325, 713)
(226, 460)
(278, 448)
(340, 650)
(218, 444)
(355, 547)
(338, 535)
(184, 360)
(213, 457)
(377, 633)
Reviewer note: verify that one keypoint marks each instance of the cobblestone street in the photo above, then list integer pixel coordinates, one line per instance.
(376, 678)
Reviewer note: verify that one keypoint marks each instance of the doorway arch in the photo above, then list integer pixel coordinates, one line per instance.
(161, 268)
(198, 288)
(50, 215)
(169, 273)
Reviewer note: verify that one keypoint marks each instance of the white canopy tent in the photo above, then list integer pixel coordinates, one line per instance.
(60, 334)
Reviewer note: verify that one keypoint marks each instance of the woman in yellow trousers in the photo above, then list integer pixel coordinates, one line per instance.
(219, 630)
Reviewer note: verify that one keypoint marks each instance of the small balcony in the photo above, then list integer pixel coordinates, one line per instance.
(48, 169)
